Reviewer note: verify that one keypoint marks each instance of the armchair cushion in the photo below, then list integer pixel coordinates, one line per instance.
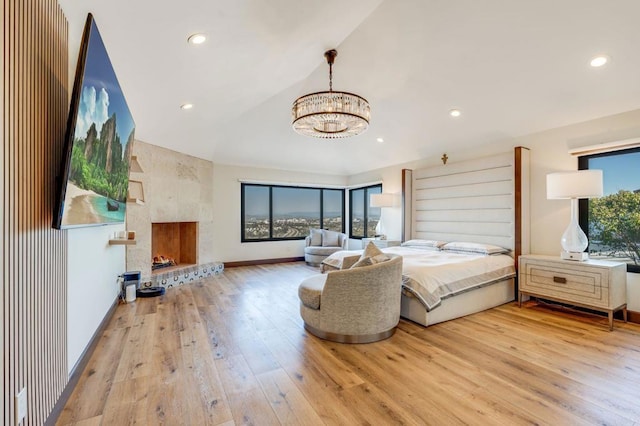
(379, 258)
(330, 238)
(309, 294)
(321, 251)
(363, 261)
(315, 237)
(347, 262)
(374, 253)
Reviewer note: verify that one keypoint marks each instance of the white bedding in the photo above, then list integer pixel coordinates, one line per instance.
(432, 275)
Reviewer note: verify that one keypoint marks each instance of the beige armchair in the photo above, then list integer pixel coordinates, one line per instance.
(321, 243)
(357, 305)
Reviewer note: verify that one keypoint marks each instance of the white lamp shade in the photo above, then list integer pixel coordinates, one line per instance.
(382, 200)
(575, 184)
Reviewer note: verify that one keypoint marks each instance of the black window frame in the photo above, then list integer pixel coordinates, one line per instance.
(367, 198)
(320, 190)
(583, 204)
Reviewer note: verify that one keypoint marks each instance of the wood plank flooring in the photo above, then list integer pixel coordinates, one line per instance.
(231, 350)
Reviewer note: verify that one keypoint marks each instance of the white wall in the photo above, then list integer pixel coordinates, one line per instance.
(549, 153)
(93, 271)
(93, 265)
(226, 211)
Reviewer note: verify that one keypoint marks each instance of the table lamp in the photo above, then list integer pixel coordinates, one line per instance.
(574, 185)
(381, 200)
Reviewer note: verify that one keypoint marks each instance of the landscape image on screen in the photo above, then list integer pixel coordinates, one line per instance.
(98, 176)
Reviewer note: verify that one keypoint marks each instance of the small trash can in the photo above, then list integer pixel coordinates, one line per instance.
(131, 277)
(130, 285)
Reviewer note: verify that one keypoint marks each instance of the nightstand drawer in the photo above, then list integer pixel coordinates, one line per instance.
(580, 286)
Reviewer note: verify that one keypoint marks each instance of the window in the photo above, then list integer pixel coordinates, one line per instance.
(275, 212)
(333, 209)
(363, 218)
(295, 210)
(612, 223)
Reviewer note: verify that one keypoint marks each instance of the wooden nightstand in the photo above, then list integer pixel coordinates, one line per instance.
(595, 284)
(380, 243)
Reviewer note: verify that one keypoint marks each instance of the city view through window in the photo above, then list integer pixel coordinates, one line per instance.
(281, 212)
(364, 218)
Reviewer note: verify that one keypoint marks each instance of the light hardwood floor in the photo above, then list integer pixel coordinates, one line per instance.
(232, 350)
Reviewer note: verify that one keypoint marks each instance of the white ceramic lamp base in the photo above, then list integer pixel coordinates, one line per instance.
(380, 230)
(572, 255)
(574, 241)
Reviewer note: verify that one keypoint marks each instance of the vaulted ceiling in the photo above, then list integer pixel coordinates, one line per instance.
(511, 67)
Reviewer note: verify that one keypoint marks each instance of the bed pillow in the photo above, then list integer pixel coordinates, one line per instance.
(474, 248)
(346, 262)
(424, 244)
(330, 238)
(316, 237)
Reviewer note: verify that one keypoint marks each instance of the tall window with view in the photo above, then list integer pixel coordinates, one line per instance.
(256, 212)
(333, 209)
(295, 210)
(279, 212)
(612, 223)
(364, 218)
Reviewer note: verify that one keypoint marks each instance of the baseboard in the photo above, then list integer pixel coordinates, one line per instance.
(262, 261)
(77, 370)
(633, 316)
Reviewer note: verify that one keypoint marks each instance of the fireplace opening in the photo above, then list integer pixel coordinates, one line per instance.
(173, 245)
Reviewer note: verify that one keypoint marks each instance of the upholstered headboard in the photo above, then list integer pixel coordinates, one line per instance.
(483, 200)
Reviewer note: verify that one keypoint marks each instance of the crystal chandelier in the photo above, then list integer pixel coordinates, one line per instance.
(330, 115)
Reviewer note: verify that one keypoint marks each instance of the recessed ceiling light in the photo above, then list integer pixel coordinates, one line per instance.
(455, 113)
(186, 106)
(380, 140)
(197, 38)
(599, 61)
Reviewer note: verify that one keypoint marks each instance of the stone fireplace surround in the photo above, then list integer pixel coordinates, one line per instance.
(177, 188)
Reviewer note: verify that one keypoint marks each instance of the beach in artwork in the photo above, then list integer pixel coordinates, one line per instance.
(87, 207)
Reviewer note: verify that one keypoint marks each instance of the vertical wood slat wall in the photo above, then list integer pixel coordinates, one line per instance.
(34, 256)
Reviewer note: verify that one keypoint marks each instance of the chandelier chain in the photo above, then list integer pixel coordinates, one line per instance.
(331, 77)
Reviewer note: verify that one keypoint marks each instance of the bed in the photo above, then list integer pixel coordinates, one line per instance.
(477, 203)
(433, 278)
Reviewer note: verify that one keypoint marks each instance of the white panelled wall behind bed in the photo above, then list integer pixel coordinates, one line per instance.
(484, 200)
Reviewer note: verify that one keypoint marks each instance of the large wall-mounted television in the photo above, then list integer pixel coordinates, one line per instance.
(94, 172)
